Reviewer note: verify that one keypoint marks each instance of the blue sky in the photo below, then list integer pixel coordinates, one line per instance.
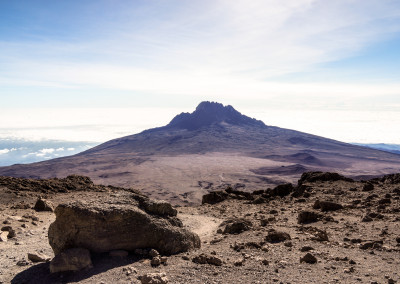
(96, 70)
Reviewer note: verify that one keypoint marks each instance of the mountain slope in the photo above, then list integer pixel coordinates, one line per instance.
(207, 149)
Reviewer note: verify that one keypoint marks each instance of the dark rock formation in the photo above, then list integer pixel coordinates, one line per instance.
(43, 205)
(321, 176)
(277, 237)
(106, 227)
(214, 197)
(306, 217)
(236, 226)
(327, 205)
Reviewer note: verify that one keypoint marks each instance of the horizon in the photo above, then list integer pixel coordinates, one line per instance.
(99, 70)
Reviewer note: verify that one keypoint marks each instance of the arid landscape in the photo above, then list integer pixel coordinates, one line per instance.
(208, 149)
(325, 229)
(250, 203)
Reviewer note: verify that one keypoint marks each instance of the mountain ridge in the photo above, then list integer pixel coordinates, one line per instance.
(212, 147)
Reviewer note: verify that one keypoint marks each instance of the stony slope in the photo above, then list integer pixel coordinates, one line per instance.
(354, 236)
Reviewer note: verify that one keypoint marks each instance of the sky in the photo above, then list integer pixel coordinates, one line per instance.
(95, 70)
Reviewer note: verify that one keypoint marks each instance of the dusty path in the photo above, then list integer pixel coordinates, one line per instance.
(202, 225)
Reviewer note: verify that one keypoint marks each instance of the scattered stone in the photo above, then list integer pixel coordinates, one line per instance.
(277, 236)
(398, 240)
(368, 187)
(373, 245)
(157, 207)
(118, 253)
(154, 278)
(308, 258)
(306, 248)
(155, 261)
(327, 205)
(265, 262)
(384, 201)
(153, 253)
(43, 205)
(367, 218)
(71, 260)
(207, 259)
(23, 262)
(306, 217)
(129, 270)
(214, 197)
(239, 262)
(321, 176)
(38, 257)
(10, 230)
(236, 226)
(131, 228)
(3, 236)
(288, 244)
(164, 260)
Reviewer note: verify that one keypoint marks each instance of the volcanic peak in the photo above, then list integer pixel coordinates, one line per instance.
(210, 113)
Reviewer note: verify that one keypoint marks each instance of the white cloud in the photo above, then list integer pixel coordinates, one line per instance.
(60, 149)
(4, 151)
(71, 149)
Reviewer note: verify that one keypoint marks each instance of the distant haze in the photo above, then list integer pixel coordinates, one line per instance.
(95, 70)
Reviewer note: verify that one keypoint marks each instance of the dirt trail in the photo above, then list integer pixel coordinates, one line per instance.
(202, 225)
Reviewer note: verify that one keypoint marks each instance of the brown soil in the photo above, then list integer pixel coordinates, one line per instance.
(247, 257)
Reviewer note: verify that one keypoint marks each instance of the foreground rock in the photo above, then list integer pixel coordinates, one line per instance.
(154, 278)
(71, 260)
(106, 227)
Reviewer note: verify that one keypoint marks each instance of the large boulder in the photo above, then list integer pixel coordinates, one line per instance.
(103, 227)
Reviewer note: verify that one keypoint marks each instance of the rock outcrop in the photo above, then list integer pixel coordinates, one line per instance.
(71, 260)
(101, 227)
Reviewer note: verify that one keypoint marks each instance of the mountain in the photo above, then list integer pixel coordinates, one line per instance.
(208, 149)
(392, 148)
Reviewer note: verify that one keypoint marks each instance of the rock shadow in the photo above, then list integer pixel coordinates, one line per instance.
(40, 273)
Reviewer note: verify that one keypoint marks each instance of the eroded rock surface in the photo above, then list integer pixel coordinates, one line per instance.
(103, 227)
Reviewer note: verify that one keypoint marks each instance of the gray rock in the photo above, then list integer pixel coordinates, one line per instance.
(307, 216)
(154, 278)
(37, 257)
(327, 205)
(3, 237)
(277, 237)
(155, 261)
(43, 205)
(71, 260)
(10, 230)
(106, 227)
(368, 187)
(207, 259)
(309, 258)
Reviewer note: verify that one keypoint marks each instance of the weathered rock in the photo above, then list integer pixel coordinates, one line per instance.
(283, 190)
(306, 217)
(71, 260)
(366, 218)
(153, 253)
(327, 205)
(43, 205)
(158, 207)
(309, 258)
(306, 248)
(10, 230)
(321, 176)
(3, 236)
(106, 227)
(154, 278)
(214, 197)
(236, 226)
(368, 187)
(155, 261)
(207, 259)
(277, 237)
(37, 257)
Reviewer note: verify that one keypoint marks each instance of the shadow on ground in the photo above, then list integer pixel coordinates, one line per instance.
(40, 273)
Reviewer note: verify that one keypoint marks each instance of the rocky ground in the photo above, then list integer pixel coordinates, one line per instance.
(326, 229)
